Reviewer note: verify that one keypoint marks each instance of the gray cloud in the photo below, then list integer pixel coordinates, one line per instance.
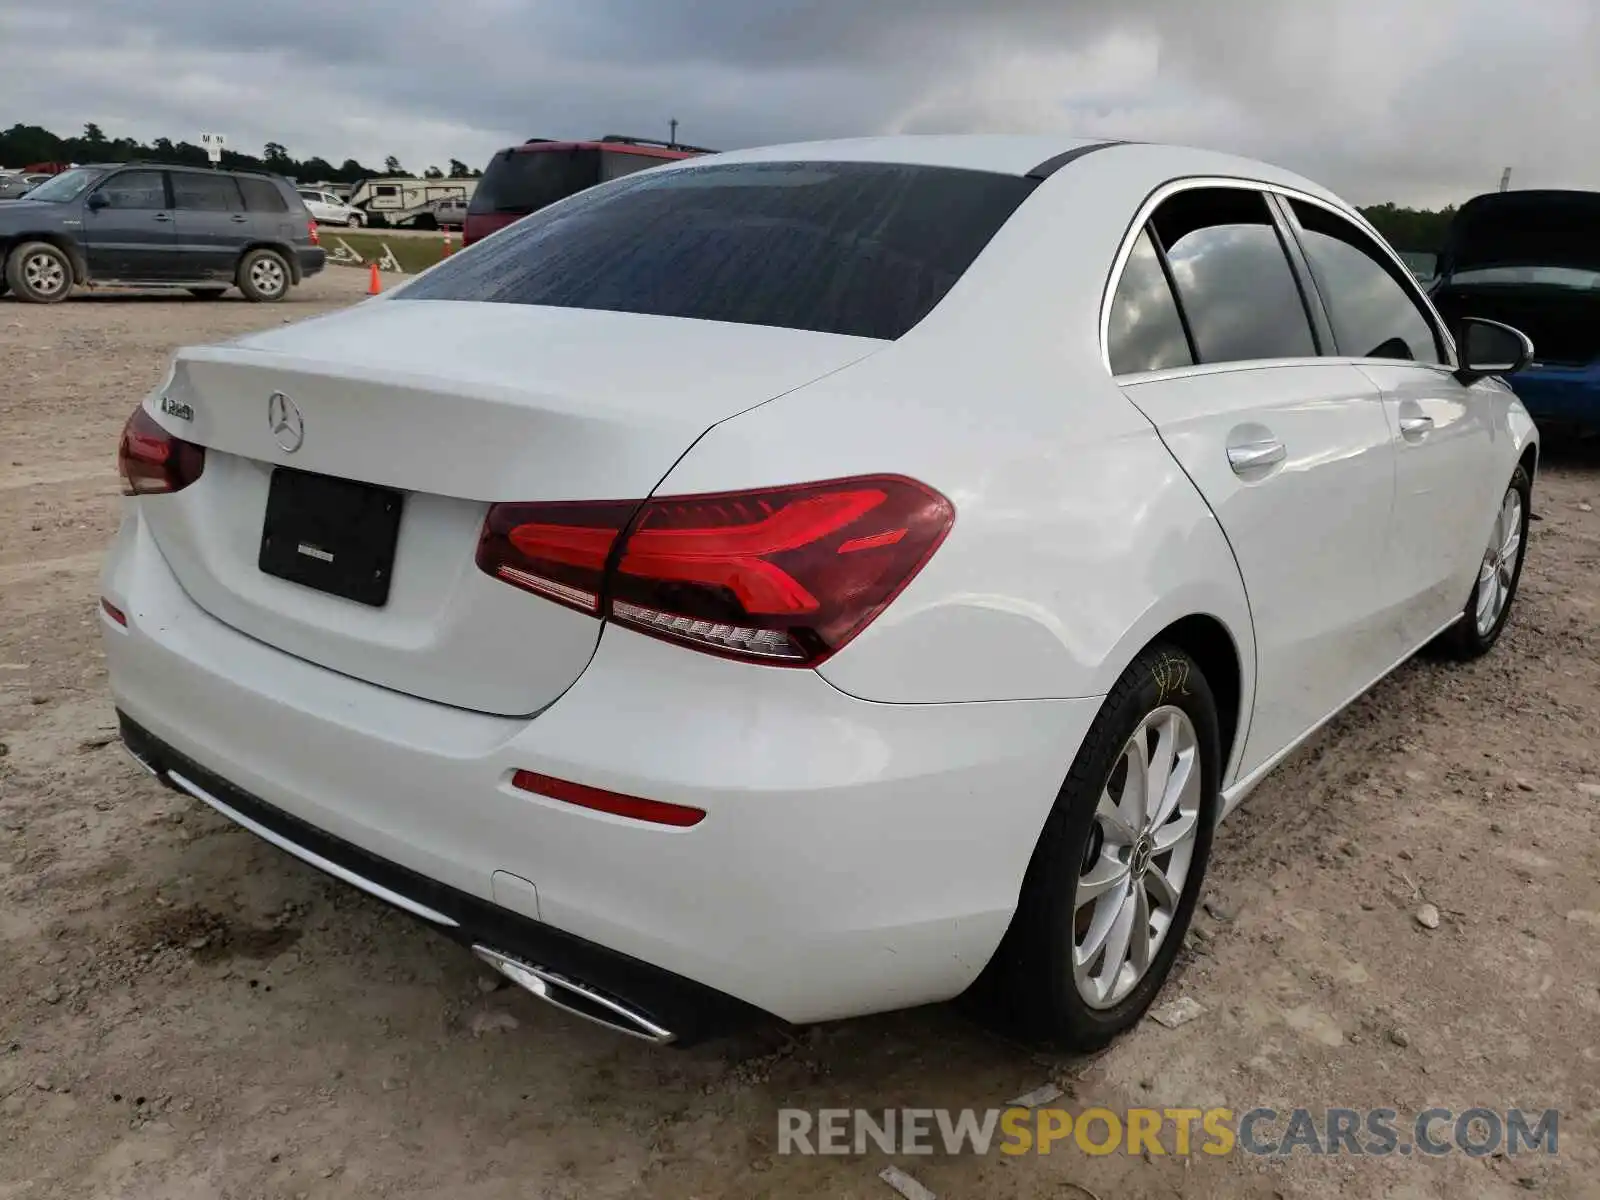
(1411, 100)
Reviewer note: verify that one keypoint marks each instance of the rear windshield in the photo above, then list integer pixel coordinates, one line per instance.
(865, 249)
(525, 181)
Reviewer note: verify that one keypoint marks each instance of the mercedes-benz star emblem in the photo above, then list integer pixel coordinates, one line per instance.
(285, 421)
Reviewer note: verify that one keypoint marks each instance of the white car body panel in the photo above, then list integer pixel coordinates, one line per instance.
(868, 822)
(1317, 524)
(901, 902)
(381, 406)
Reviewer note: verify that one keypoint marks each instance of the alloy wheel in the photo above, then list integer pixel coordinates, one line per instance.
(44, 274)
(1499, 569)
(268, 276)
(1137, 857)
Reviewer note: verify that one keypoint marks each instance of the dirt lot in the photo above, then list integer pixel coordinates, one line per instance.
(185, 1012)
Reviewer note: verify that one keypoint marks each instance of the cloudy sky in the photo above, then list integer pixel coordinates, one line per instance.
(1420, 101)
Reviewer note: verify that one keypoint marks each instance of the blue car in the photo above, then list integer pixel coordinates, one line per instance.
(1532, 260)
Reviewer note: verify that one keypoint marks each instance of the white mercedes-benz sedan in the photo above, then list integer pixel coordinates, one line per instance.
(819, 579)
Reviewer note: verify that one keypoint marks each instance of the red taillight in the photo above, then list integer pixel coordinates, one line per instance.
(777, 575)
(311, 229)
(151, 460)
(112, 611)
(639, 809)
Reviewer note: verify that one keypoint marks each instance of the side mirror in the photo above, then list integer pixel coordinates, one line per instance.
(1490, 348)
(97, 201)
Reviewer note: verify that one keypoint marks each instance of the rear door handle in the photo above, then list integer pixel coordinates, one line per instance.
(1415, 427)
(163, 216)
(239, 218)
(1252, 456)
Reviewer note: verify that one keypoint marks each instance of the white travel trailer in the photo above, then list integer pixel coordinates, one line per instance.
(398, 200)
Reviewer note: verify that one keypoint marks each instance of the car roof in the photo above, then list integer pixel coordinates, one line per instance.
(1008, 154)
(152, 165)
(1036, 155)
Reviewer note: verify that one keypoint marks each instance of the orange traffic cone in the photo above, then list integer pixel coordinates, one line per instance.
(448, 249)
(374, 285)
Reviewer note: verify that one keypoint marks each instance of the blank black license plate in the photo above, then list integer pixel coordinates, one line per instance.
(335, 535)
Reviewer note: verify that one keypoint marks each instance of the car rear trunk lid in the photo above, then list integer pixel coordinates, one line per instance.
(441, 408)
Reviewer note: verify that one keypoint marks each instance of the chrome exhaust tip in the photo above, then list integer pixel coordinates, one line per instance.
(576, 998)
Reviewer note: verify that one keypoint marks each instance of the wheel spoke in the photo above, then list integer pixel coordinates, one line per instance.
(1161, 892)
(1117, 940)
(1180, 782)
(1159, 773)
(1488, 591)
(1135, 803)
(1117, 831)
(1106, 874)
(1173, 832)
(1139, 933)
(1100, 926)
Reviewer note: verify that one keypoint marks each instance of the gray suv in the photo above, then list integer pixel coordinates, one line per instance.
(152, 225)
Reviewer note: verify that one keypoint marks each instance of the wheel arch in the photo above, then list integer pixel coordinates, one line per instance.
(1224, 651)
(286, 252)
(73, 251)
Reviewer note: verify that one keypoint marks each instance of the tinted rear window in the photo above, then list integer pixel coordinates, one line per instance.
(526, 181)
(865, 249)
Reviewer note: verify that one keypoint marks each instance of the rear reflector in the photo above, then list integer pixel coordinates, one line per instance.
(150, 460)
(654, 811)
(785, 576)
(112, 611)
(313, 233)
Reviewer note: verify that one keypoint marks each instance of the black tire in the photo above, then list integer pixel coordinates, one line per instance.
(1030, 986)
(264, 276)
(1465, 640)
(210, 293)
(427, 222)
(39, 273)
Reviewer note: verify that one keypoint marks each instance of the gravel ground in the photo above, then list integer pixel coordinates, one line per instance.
(185, 1012)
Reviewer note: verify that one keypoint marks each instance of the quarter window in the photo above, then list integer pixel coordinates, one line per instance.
(206, 193)
(1233, 278)
(262, 195)
(135, 189)
(1145, 332)
(1373, 314)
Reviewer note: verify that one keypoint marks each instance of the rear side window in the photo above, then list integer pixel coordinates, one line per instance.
(206, 193)
(614, 164)
(1233, 277)
(135, 189)
(1373, 314)
(865, 249)
(262, 195)
(1145, 332)
(528, 180)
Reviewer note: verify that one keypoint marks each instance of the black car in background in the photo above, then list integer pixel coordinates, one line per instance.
(155, 225)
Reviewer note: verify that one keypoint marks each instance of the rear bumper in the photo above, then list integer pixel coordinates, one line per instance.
(675, 1004)
(855, 857)
(312, 260)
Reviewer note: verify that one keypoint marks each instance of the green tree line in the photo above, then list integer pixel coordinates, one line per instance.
(24, 144)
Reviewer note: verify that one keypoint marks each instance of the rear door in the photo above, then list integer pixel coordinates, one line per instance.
(1212, 338)
(1443, 429)
(211, 221)
(128, 228)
